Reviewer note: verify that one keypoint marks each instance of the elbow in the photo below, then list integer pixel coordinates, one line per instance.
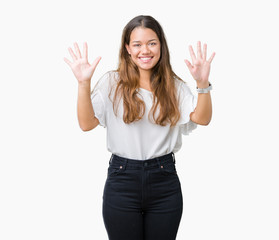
(85, 128)
(204, 123)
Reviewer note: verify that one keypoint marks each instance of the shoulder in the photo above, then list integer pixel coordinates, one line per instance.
(108, 76)
(113, 74)
(178, 82)
(107, 80)
(182, 87)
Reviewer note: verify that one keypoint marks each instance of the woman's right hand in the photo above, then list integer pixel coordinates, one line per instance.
(82, 70)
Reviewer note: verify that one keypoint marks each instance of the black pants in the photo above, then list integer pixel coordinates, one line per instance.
(142, 200)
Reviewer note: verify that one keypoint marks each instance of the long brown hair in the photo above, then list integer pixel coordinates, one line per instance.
(162, 79)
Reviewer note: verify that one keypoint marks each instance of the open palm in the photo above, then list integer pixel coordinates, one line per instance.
(82, 70)
(200, 67)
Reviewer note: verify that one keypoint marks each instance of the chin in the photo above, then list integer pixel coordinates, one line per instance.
(146, 68)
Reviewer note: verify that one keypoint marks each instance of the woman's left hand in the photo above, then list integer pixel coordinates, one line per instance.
(200, 67)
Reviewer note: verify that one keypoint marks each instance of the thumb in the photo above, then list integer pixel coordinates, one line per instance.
(96, 62)
(189, 65)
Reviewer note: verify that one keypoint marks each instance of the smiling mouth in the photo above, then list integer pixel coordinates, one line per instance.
(145, 59)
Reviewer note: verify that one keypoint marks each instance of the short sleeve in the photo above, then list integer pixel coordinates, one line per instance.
(188, 104)
(99, 107)
(98, 99)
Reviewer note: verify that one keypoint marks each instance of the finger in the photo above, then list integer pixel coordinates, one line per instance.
(77, 50)
(85, 49)
(96, 62)
(68, 62)
(204, 51)
(193, 56)
(189, 65)
(199, 52)
(211, 58)
(74, 57)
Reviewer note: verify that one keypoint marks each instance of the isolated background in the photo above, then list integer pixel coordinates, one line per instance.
(52, 174)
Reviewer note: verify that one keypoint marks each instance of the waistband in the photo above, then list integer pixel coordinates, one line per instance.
(170, 157)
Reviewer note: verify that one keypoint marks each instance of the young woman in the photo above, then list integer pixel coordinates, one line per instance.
(145, 108)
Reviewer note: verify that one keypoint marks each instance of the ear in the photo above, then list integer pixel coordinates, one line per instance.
(128, 49)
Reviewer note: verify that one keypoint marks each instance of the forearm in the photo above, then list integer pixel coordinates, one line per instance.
(85, 110)
(203, 112)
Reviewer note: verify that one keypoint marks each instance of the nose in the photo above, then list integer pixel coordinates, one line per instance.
(145, 49)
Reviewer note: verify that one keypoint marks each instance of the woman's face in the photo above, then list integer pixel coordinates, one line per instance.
(144, 48)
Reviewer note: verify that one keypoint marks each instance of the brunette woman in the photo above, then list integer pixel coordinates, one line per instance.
(145, 108)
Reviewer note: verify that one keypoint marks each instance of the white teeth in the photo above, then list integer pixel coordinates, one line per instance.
(145, 59)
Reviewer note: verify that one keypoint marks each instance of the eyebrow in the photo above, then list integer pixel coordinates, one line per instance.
(148, 41)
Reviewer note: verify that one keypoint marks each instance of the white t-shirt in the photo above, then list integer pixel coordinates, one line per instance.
(142, 139)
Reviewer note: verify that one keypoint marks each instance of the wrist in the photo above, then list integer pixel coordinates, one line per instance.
(84, 84)
(203, 85)
(204, 88)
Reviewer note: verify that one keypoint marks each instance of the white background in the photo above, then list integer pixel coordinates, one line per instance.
(52, 174)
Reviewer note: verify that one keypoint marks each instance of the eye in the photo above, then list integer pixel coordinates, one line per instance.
(153, 44)
(136, 45)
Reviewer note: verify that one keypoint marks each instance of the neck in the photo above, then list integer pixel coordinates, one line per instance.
(145, 76)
